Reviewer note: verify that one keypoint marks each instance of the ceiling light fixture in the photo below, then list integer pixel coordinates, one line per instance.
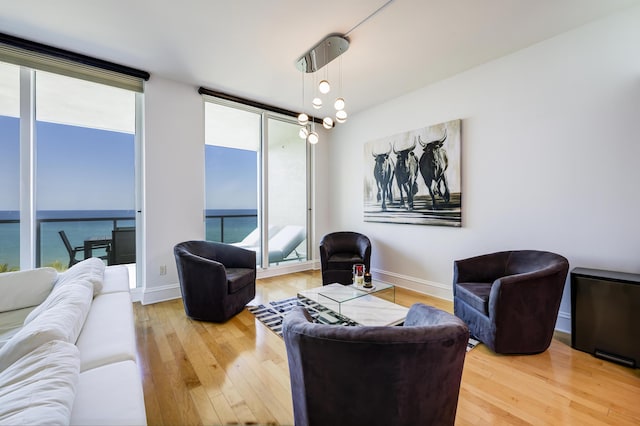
(312, 61)
(317, 57)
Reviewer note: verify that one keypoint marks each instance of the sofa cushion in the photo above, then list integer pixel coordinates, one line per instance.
(91, 270)
(40, 387)
(110, 395)
(22, 289)
(108, 334)
(239, 278)
(475, 294)
(61, 320)
(116, 279)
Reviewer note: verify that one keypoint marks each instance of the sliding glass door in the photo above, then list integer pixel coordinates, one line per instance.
(256, 183)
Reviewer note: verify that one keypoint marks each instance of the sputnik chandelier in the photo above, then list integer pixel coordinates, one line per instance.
(312, 61)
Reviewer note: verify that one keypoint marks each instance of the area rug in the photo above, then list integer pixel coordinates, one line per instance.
(272, 314)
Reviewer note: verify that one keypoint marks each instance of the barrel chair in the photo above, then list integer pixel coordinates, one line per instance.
(339, 251)
(510, 299)
(402, 375)
(217, 280)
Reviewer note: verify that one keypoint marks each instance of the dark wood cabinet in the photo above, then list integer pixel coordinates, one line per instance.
(605, 314)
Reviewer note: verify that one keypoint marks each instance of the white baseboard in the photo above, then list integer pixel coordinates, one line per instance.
(172, 291)
(430, 288)
(161, 294)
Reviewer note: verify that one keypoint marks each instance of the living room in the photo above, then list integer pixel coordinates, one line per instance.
(548, 158)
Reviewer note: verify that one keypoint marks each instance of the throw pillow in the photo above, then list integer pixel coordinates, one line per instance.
(22, 289)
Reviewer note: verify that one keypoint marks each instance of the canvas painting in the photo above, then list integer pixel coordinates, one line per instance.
(414, 177)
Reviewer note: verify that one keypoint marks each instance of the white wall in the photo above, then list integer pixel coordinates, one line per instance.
(173, 156)
(550, 151)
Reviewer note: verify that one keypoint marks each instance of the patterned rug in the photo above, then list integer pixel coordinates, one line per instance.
(272, 314)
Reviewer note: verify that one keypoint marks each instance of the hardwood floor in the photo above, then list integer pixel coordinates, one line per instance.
(236, 372)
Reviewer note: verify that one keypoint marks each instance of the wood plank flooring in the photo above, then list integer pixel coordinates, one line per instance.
(236, 373)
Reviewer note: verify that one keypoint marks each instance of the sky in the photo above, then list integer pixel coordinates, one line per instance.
(77, 168)
(241, 192)
(94, 170)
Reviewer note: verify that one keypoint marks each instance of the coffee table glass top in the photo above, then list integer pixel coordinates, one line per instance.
(359, 305)
(342, 293)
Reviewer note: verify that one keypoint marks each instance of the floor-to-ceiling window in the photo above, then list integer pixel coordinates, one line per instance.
(256, 182)
(69, 135)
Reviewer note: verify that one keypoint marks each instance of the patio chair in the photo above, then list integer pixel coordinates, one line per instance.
(74, 250)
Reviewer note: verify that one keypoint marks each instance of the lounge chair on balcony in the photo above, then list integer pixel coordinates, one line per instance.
(282, 243)
(253, 239)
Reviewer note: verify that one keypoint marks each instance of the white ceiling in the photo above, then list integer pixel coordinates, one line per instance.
(248, 48)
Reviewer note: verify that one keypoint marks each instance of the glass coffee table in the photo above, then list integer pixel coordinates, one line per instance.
(364, 306)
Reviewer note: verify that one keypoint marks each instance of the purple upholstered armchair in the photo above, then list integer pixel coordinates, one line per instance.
(406, 375)
(217, 280)
(510, 299)
(339, 251)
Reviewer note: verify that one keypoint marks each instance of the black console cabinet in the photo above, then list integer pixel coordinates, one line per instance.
(605, 314)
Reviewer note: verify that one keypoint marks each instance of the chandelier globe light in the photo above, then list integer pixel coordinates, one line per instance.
(313, 137)
(341, 116)
(324, 87)
(312, 61)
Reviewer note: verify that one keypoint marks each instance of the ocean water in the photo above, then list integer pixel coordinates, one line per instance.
(82, 224)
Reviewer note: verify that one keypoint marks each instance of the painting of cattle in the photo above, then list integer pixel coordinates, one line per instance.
(414, 177)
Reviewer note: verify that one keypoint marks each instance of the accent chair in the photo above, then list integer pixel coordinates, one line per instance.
(217, 280)
(510, 299)
(339, 251)
(403, 375)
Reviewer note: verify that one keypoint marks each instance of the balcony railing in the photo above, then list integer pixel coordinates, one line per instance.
(229, 228)
(50, 250)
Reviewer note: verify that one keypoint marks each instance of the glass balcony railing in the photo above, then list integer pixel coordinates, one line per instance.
(229, 226)
(88, 233)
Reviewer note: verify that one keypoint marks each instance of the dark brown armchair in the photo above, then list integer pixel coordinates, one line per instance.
(510, 299)
(404, 375)
(339, 251)
(217, 280)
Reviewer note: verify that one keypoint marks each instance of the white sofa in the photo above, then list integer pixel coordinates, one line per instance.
(67, 347)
